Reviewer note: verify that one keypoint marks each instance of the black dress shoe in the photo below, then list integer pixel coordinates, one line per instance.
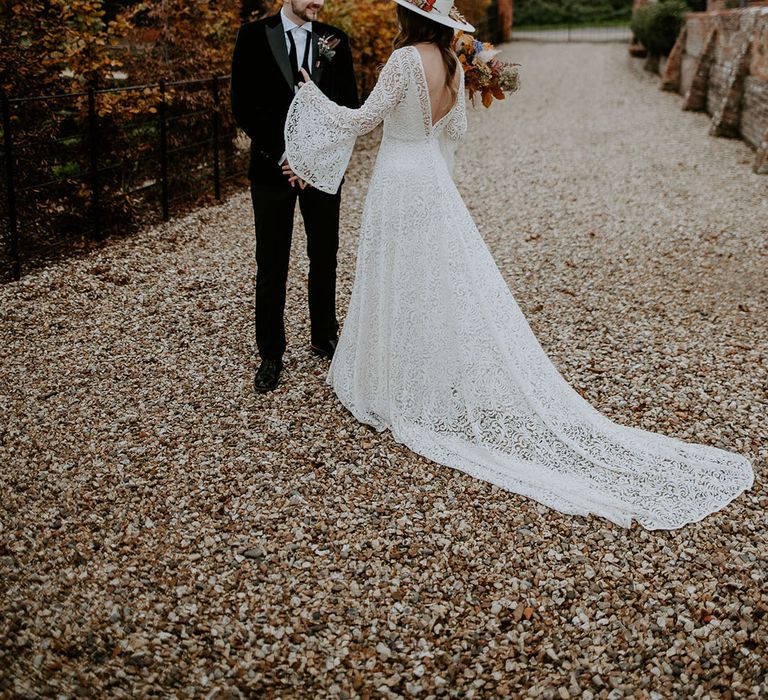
(268, 375)
(325, 349)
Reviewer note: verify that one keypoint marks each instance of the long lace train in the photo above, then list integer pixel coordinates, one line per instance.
(435, 348)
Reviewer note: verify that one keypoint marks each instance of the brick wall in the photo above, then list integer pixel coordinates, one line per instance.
(731, 4)
(720, 65)
(755, 106)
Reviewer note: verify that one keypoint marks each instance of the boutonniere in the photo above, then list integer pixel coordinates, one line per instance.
(326, 47)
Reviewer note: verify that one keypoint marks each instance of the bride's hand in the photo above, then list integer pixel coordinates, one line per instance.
(293, 178)
(306, 77)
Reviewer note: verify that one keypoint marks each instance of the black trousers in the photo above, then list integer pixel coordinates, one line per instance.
(274, 202)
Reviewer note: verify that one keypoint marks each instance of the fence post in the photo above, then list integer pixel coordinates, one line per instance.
(13, 224)
(93, 127)
(163, 152)
(216, 137)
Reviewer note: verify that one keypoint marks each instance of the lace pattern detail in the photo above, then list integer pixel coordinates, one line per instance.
(456, 120)
(435, 348)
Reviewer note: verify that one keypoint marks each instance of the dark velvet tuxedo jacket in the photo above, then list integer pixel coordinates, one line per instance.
(262, 86)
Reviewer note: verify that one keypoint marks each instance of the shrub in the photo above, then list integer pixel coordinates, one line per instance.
(56, 46)
(190, 38)
(656, 26)
(544, 12)
(371, 27)
(540, 12)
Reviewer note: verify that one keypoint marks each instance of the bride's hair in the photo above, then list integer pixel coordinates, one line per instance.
(415, 29)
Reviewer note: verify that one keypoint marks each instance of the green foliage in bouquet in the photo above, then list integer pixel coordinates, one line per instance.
(656, 26)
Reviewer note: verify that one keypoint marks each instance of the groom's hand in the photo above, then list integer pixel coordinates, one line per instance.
(293, 178)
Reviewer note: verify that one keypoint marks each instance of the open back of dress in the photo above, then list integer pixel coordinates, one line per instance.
(438, 88)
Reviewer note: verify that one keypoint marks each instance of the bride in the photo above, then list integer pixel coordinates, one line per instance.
(435, 348)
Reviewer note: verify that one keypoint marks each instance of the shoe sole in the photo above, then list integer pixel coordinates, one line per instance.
(264, 390)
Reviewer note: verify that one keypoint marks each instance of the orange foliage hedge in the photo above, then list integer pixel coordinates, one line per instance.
(190, 39)
(371, 26)
(56, 45)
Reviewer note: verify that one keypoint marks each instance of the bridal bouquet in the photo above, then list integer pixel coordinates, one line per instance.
(483, 72)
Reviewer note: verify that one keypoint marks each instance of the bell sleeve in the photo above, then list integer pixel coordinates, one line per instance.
(320, 135)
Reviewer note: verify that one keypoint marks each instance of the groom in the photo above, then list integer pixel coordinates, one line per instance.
(268, 56)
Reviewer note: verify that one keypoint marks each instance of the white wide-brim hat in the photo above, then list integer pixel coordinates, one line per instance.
(440, 11)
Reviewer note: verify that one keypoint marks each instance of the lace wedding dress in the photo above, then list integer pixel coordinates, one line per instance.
(435, 348)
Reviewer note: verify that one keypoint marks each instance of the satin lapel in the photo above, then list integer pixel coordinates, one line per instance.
(318, 62)
(276, 39)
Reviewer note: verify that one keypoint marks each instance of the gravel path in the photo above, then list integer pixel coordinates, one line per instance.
(166, 532)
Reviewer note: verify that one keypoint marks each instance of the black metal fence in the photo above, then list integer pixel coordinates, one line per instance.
(83, 165)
